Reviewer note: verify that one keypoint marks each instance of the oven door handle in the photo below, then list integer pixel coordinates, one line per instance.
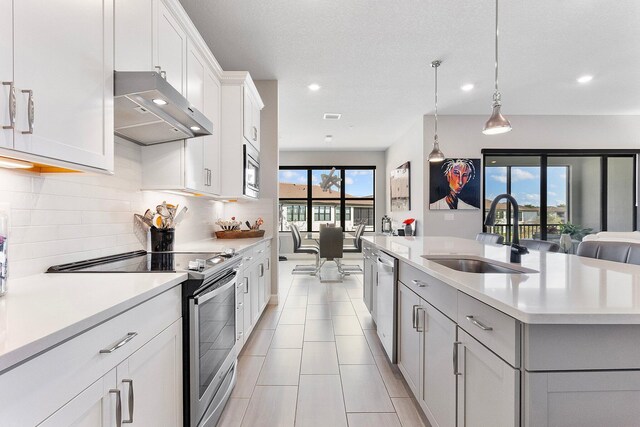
(209, 295)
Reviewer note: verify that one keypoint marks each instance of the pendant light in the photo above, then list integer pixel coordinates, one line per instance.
(436, 155)
(497, 123)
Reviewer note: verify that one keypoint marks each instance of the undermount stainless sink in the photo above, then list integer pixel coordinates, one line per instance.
(469, 265)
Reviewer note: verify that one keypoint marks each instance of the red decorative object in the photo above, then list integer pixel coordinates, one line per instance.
(409, 221)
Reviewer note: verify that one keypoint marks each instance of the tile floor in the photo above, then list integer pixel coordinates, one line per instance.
(315, 360)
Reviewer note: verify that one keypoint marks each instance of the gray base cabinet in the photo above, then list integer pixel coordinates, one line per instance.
(471, 365)
(578, 399)
(370, 279)
(425, 343)
(488, 387)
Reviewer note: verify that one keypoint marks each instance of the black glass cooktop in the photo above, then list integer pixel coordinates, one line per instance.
(142, 262)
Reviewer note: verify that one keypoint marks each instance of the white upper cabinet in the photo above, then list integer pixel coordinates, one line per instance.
(211, 109)
(240, 98)
(196, 178)
(63, 73)
(6, 73)
(251, 118)
(171, 48)
(135, 24)
(192, 165)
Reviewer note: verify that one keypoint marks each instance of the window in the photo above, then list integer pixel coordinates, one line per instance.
(296, 213)
(347, 216)
(592, 190)
(341, 195)
(322, 213)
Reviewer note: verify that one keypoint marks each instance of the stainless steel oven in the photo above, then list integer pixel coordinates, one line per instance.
(211, 356)
(251, 171)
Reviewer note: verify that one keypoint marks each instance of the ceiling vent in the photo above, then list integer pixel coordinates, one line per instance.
(332, 116)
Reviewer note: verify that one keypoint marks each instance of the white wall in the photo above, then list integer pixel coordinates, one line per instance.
(461, 136)
(408, 148)
(62, 218)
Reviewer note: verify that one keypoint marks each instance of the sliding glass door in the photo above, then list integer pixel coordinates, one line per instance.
(573, 192)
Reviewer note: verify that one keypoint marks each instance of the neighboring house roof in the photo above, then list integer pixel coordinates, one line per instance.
(299, 191)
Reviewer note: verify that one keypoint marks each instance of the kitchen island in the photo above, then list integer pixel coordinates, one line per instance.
(553, 344)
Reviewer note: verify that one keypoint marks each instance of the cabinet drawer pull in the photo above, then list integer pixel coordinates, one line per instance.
(117, 345)
(419, 283)
(12, 105)
(413, 317)
(246, 285)
(249, 258)
(31, 111)
(479, 324)
(240, 304)
(240, 334)
(261, 270)
(118, 406)
(455, 358)
(131, 402)
(255, 133)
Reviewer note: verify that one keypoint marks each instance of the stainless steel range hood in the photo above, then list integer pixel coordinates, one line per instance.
(148, 110)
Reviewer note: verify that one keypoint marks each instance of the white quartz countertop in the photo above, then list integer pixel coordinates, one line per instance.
(41, 311)
(220, 245)
(566, 289)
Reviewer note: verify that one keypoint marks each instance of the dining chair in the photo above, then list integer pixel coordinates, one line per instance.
(357, 241)
(540, 245)
(299, 248)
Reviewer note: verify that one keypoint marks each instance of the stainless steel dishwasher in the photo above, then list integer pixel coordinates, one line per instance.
(386, 303)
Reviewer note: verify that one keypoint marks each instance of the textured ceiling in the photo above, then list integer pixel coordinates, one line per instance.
(372, 60)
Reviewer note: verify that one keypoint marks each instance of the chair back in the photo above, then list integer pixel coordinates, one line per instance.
(331, 242)
(357, 242)
(297, 238)
(540, 245)
(625, 252)
(490, 238)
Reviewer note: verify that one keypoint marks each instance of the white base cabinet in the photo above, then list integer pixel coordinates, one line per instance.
(94, 407)
(151, 381)
(253, 289)
(72, 383)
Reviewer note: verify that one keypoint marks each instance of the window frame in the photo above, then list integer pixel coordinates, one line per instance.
(309, 200)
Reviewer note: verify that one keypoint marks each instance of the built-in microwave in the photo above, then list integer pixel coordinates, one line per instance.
(251, 187)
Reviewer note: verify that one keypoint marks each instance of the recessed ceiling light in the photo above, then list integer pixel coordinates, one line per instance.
(332, 116)
(314, 87)
(493, 162)
(194, 128)
(467, 87)
(159, 101)
(328, 138)
(14, 164)
(585, 79)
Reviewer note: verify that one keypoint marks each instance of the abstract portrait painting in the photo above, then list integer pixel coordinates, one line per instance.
(401, 188)
(455, 184)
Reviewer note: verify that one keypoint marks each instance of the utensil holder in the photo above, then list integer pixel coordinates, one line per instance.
(162, 239)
